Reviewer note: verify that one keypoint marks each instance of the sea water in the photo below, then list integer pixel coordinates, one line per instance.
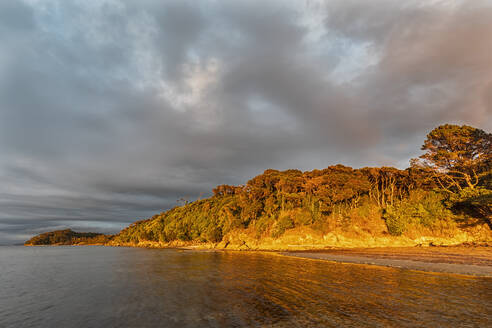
(90, 286)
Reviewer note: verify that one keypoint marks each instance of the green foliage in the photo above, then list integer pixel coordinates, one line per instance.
(263, 225)
(429, 208)
(275, 201)
(420, 208)
(303, 217)
(396, 220)
(476, 202)
(283, 223)
(213, 234)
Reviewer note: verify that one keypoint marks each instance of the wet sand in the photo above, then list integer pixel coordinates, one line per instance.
(475, 261)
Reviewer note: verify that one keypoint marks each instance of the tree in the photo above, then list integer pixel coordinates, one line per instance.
(457, 156)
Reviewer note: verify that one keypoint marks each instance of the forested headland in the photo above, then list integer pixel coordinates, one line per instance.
(444, 197)
(68, 237)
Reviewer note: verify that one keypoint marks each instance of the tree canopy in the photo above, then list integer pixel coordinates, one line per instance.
(458, 156)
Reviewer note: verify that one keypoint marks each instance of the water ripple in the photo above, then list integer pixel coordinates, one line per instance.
(125, 287)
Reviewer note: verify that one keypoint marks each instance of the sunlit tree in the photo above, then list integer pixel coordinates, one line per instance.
(458, 156)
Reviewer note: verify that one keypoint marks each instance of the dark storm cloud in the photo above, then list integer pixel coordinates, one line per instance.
(434, 63)
(112, 110)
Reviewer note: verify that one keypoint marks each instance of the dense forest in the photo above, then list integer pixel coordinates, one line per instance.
(445, 194)
(67, 237)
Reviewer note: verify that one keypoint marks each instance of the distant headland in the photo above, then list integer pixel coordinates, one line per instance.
(68, 237)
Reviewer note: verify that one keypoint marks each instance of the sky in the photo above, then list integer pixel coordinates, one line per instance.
(113, 110)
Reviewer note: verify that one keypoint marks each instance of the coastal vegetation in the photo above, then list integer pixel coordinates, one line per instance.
(445, 195)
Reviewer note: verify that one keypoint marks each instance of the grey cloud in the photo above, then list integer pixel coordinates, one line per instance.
(110, 111)
(15, 16)
(434, 64)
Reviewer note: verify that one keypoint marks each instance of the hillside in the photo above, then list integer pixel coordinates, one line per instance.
(337, 206)
(445, 197)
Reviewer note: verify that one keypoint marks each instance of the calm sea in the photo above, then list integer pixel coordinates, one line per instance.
(129, 287)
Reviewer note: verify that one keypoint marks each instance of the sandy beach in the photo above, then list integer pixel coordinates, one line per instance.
(475, 261)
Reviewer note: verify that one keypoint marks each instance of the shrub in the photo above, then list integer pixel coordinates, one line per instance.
(396, 220)
(283, 223)
(213, 234)
(426, 209)
(303, 217)
(431, 209)
(263, 224)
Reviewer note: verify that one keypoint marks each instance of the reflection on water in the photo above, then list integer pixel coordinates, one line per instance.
(125, 287)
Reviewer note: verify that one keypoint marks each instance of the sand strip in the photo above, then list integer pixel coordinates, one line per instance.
(456, 268)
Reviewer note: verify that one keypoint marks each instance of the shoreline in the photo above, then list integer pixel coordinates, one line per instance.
(461, 264)
(474, 260)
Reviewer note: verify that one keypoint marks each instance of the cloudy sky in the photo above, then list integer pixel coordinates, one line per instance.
(112, 110)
